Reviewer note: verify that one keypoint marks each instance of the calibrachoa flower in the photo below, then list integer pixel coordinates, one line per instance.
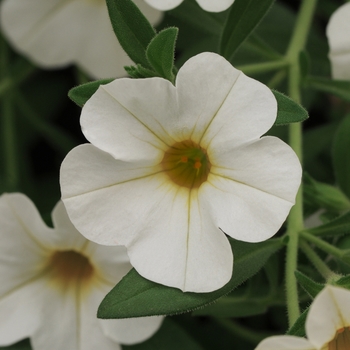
(171, 169)
(339, 42)
(327, 325)
(207, 5)
(57, 33)
(52, 281)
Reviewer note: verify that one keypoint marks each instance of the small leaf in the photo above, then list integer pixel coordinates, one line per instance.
(80, 94)
(341, 155)
(160, 53)
(169, 337)
(243, 17)
(132, 29)
(340, 88)
(135, 296)
(298, 328)
(343, 282)
(288, 110)
(338, 227)
(311, 287)
(140, 72)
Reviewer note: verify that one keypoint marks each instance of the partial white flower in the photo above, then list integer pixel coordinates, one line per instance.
(207, 5)
(327, 325)
(56, 33)
(338, 30)
(52, 281)
(170, 169)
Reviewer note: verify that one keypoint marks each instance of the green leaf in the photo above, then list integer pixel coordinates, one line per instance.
(160, 53)
(311, 287)
(243, 17)
(80, 94)
(340, 88)
(298, 328)
(341, 155)
(325, 195)
(140, 72)
(169, 337)
(338, 227)
(135, 296)
(288, 110)
(343, 282)
(132, 29)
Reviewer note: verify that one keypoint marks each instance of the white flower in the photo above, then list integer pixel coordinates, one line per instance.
(56, 33)
(207, 5)
(172, 168)
(52, 281)
(327, 325)
(338, 30)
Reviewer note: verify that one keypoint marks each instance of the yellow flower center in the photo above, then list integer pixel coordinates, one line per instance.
(70, 266)
(186, 164)
(341, 340)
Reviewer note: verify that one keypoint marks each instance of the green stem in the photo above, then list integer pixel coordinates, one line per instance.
(323, 245)
(320, 266)
(263, 67)
(295, 219)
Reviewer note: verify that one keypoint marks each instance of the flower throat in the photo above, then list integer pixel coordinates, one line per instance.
(341, 340)
(187, 164)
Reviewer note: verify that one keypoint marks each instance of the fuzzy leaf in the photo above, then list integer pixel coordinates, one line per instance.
(288, 110)
(341, 156)
(132, 29)
(135, 296)
(311, 287)
(243, 17)
(160, 53)
(340, 88)
(298, 328)
(80, 94)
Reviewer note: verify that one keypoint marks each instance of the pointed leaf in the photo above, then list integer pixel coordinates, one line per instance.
(288, 110)
(160, 53)
(311, 287)
(298, 328)
(132, 29)
(80, 94)
(134, 296)
(170, 337)
(340, 88)
(338, 227)
(341, 156)
(243, 17)
(343, 282)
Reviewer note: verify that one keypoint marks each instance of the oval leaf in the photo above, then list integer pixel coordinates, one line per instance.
(135, 296)
(288, 110)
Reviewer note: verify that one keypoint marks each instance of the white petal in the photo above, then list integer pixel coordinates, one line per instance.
(215, 6)
(329, 312)
(24, 238)
(249, 110)
(243, 212)
(164, 5)
(268, 164)
(339, 42)
(124, 118)
(131, 330)
(19, 312)
(181, 247)
(285, 342)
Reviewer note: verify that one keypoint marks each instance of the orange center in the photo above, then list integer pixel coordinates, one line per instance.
(186, 164)
(341, 340)
(69, 266)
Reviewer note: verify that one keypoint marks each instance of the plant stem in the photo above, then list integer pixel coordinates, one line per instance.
(263, 67)
(321, 267)
(295, 219)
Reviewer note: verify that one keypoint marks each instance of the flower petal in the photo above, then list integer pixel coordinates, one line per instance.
(164, 5)
(131, 330)
(215, 6)
(244, 212)
(125, 118)
(181, 237)
(24, 237)
(285, 342)
(339, 42)
(329, 312)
